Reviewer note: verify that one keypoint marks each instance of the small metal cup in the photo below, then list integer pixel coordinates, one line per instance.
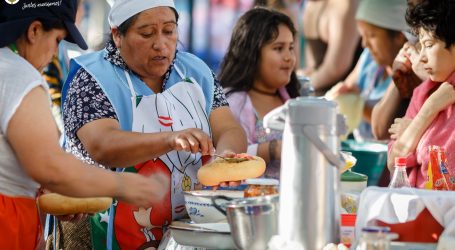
(253, 221)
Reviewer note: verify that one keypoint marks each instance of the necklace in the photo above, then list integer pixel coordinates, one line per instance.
(264, 92)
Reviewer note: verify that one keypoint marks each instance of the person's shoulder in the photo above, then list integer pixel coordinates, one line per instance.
(236, 98)
(17, 69)
(91, 57)
(366, 55)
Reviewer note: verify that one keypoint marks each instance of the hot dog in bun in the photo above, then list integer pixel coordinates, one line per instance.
(57, 204)
(240, 167)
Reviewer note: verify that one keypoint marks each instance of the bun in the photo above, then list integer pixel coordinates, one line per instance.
(221, 170)
(57, 204)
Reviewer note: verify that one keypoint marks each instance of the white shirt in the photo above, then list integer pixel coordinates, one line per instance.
(18, 78)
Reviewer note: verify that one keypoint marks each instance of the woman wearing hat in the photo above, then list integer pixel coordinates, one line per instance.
(381, 25)
(30, 155)
(142, 105)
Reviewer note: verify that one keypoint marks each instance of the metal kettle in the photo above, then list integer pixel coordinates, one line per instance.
(309, 178)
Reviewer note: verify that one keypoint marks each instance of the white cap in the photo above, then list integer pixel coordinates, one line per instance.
(389, 14)
(122, 10)
(262, 181)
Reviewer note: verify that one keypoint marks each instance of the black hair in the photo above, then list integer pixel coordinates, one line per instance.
(274, 4)
(434, 16)
(50, 24)
(253, 30)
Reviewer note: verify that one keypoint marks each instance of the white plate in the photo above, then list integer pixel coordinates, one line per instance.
(207, 235)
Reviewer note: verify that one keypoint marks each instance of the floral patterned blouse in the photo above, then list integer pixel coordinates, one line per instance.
(86, 102)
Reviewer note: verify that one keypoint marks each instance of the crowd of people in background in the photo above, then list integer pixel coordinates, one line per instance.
(135, 119)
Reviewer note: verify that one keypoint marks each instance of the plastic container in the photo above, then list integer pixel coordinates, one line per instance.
(371, 158)
(353, 182)
(261, 187)
(374, 238)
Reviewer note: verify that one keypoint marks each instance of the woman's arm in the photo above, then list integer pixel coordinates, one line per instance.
(270, 150)
(342, 42)
(228, 135)
(407, 142)
(33, 135)
(349, 85)
(113, 147)
(384, 112)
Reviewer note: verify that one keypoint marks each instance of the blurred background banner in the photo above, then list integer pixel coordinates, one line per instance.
(205, 26)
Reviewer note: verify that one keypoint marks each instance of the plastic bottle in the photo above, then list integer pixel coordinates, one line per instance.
(449, 180)
(400, 177)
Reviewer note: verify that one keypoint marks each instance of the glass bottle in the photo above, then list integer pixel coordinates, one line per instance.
(374, 238)
(400, 177)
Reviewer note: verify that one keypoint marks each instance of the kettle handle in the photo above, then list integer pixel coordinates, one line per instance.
(218, 207)
(336, 160)
(275, 119)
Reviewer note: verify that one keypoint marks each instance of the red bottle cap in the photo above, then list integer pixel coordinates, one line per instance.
(400, 161)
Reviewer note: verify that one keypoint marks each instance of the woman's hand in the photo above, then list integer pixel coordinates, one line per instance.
(193, 140)
(141, 191)
(398, 127)
(402, 71)
(340, 89)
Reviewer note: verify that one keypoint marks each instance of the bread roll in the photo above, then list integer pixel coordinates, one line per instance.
(221, 170)
(57, 204)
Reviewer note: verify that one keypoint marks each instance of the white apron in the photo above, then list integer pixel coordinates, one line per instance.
(180, 107)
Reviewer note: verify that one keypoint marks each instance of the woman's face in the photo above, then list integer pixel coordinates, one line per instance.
(44, 46)
(438, 61)
(382, 45)
(149, 45)
(277, 60)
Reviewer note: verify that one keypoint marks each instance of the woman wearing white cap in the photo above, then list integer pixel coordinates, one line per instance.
(141, 104)
(381, 25)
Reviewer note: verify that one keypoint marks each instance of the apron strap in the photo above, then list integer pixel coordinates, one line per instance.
(54, 240)
(179, 71)
(110, 228)
(130, 83)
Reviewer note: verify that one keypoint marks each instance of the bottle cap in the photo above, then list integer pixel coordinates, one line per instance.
(262, 181)
(376, 229)
(400, 161)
